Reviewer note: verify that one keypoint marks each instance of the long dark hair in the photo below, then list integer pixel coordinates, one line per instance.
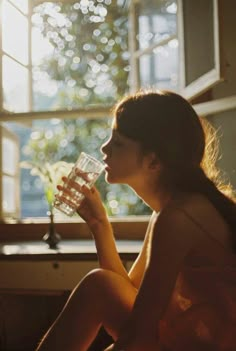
(164, 122)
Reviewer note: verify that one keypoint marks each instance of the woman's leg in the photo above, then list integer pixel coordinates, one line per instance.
(102, 298)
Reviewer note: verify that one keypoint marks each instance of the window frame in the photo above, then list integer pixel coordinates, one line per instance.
(5, 133)
(32, 229)
(213, 76)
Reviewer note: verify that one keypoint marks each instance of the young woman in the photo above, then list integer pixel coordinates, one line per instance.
(181, 292)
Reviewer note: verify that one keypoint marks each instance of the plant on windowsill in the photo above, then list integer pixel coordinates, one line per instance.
(50, 175)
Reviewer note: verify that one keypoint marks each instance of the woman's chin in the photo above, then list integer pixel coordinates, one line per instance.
(109, 179)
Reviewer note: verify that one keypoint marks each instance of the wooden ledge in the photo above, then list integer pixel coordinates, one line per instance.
(68, 250)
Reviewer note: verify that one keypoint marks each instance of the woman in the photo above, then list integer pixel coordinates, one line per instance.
(181, 292)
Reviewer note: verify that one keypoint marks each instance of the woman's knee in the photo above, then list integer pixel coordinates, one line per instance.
(107, 287)
(98, 274)
(96, 277)
(95, 281)
(88, 290)
(110, 295)
(100, 277)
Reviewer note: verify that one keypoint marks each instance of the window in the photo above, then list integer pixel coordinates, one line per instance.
(200, 66)
(65, 63)
(154, 44)
(15, 57)
(9, 177)
(76, 68)
(170, 50)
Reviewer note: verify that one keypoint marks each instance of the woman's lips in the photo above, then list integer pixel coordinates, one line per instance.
(107, 168)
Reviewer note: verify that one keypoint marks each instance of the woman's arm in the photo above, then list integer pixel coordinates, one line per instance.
(93, 212)
(173, 237)
(137, 270)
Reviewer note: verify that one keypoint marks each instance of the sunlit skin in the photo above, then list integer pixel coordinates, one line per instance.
(130, 305)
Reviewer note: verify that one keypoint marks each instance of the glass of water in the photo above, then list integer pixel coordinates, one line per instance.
(85, 171)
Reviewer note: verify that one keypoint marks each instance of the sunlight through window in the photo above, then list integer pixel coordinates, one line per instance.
(14, 33)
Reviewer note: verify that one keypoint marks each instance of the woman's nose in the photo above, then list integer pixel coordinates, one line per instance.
(104, 148)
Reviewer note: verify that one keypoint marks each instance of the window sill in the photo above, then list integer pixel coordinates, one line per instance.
(32, 266)
(131, 228)
(68, 250)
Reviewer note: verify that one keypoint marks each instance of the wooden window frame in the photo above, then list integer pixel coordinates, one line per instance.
(215, 74)
(5, 133)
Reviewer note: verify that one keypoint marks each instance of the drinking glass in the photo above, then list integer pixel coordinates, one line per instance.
(85, 171)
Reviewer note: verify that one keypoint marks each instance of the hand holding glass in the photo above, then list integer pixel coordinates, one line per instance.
(85, 171)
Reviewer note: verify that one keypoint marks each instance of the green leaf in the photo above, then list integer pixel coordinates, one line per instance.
(49, 194)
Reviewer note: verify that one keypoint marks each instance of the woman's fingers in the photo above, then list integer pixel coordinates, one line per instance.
(81, 196)
(70, 191)
(65, 199)
(68, 185)
(89, 192)
(84, 189)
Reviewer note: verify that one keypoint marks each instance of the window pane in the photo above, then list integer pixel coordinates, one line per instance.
(160, 69)
(9, 191)
(14, 33)
(9, 157)
(157, 19)
(80, 54)
(50, 141)
(21, 4)
(15, 86)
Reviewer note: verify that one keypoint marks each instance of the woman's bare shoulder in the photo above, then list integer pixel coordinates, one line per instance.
(173, 235)
(203, 215)
(175, 222)
(194, 205)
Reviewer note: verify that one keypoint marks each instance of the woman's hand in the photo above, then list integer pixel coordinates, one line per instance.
(91, 208)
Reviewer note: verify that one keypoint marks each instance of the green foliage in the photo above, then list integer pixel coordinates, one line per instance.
(90, 56)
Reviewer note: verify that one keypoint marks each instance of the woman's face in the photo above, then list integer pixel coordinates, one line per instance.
(124, 159)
